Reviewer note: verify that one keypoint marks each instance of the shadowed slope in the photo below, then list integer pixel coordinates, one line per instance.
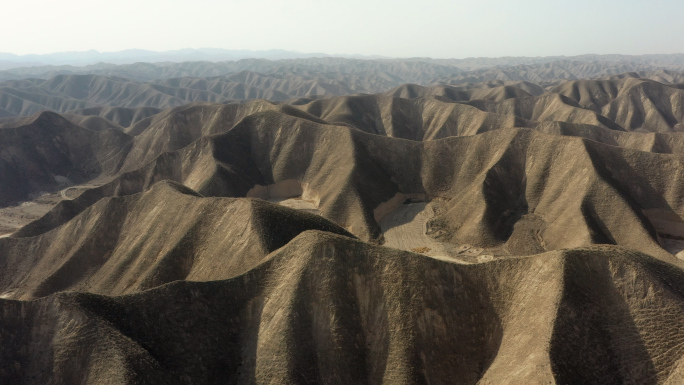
(658, 142)
(124, 117)
(167, 233)
(460, 94)
(548, 107)
(176, 128)
(650, 106)
(414, 119)
(329, 309)
(529, 87)
(504, 188)
(591, 94)
(22, 102)
(537, 167)
(46, 151)
(92, 122)
(551, 239)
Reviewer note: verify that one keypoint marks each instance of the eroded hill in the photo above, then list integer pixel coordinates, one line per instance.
(482, 233)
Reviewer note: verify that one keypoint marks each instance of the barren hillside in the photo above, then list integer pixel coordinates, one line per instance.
(322, 222)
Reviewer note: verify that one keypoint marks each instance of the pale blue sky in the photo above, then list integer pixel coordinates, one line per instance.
(434, 28)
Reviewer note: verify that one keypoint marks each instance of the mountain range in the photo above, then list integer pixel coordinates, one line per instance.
(90, 57)
(326, 221)
(9, 60)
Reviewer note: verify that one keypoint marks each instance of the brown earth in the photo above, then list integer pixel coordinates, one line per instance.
(480, 233)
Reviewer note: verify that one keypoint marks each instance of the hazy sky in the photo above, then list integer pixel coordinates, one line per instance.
(435, 28)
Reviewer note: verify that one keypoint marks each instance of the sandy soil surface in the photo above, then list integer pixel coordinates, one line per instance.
(405, 229)
(298, 203)
(14, 217)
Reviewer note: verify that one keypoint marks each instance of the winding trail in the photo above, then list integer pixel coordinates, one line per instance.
(65, 196)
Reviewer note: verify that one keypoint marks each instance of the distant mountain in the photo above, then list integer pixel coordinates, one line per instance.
(664, 60)
(85, 58)
(82, 58)
(387, 73)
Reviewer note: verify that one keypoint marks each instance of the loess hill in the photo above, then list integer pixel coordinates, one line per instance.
(305, 224)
